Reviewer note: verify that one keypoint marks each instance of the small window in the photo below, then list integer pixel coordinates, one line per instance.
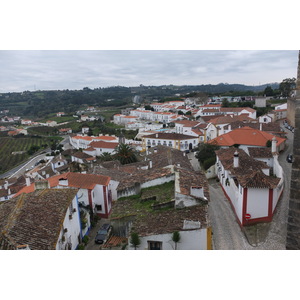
(154, 245)
(99, 207)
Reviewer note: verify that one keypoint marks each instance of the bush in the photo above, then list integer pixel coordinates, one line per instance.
(209, 162)
(81, 247)
(85, 239)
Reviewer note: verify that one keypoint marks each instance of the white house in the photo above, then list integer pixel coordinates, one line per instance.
(97, 148)
(174, 140)
(247, 184)
(26, 122)
(265, 119)
(80, 141)
(48, 220)
(51, 123)
(97, 191)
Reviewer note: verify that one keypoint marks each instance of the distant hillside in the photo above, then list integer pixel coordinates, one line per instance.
(41, 103)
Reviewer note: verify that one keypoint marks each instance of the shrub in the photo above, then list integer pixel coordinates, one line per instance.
(81, 247)
(209, 162)
(85, 239)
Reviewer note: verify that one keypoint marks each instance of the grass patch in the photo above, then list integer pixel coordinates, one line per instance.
(132, 205)
(62, 119)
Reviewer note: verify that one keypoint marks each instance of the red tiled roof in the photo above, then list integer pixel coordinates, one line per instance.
(115, 241)
(77, 180)
(245, 136)
(188, 123)
(236, 109)
(210, 110)
(102, 144)
(85, 181)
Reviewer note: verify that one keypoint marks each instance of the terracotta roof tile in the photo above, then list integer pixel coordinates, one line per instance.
(245, 136)
(23, 221)
(104, 145)
(260, 152)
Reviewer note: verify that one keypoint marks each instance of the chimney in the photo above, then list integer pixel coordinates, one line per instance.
(150, 164)
(6, 185)
(155, 150)
(274, 142)
(41, 185)
(63, 181)
(260, 126)
(156, 135)
(27, 179)
(236, 159)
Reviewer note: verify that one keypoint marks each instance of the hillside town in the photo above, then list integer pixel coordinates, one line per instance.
(151, 191)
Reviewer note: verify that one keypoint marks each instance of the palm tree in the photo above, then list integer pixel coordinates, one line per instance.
(105, 156)
(125, 154)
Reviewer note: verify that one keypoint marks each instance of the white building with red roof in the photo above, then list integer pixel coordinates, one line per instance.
(83, 141)
(247, 137)
(97, 148)
(193, 128)
(97, 191)
(123, 119)
(249, 184)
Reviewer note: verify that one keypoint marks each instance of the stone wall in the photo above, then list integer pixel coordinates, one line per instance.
(293, 222)
(291, 107)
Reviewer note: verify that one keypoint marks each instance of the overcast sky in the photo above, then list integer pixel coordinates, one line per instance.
(74, 69)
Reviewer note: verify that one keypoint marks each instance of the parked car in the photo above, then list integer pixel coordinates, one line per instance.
(289, 158)
(103, 234)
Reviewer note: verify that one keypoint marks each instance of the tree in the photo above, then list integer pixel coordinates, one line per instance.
(125, 154)
(135, 240)
(206, 152)
(176, 238)
(105, 156)
(225, 103)
(268, 91)
(286, 86)
(269, 143)
(149, 107)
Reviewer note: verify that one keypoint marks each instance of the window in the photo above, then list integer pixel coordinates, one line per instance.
(154, 245)
(98, 207)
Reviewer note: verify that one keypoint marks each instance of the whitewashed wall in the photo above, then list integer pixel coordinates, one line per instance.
(72, 226)
(98, 197)
(257, 202)
(189, 240)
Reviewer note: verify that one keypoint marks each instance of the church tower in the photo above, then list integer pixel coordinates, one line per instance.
(293, 224)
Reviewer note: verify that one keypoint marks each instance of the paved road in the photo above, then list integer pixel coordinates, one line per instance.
(21, 169)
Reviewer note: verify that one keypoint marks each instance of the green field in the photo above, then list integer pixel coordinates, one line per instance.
(58, 119)
(9, 145)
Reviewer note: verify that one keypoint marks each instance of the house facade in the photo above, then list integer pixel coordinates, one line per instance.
(174, 140)
(83, 141)
(247, 184)
(94, 190)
